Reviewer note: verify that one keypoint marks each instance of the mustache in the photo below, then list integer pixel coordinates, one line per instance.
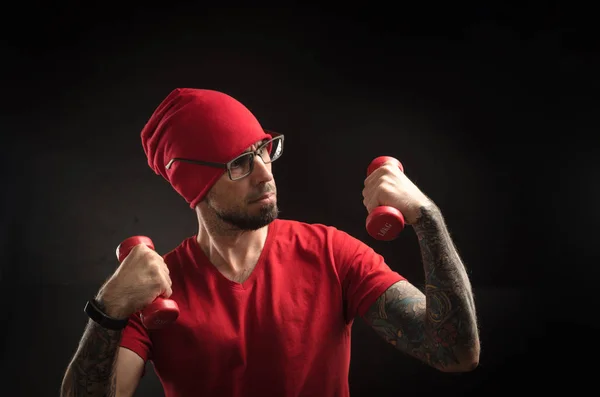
(266, 189)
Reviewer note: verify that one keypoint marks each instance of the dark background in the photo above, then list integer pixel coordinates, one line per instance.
(492, 110)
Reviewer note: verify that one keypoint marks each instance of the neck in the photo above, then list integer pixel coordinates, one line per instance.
(232, 251)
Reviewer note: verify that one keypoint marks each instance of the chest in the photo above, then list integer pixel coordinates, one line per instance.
(288, 309)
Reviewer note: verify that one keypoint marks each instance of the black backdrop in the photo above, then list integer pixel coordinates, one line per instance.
(492, 111)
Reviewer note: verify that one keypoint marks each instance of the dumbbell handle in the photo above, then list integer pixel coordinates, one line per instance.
(384, 222)
(161, 311)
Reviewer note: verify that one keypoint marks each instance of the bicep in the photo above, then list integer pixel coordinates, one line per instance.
(129, 370)
(398, 316)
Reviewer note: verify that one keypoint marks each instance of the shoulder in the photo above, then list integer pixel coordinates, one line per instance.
(180, 253)
(304, 230)
(314, 236)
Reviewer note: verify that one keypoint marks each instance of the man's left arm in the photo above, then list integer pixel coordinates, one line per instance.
(439, 325)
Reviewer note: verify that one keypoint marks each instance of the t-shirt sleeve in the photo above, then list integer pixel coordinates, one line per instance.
(136, 338)
(364, 274)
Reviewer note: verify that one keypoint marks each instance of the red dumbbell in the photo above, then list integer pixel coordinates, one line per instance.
(161, 311)
(384, 222)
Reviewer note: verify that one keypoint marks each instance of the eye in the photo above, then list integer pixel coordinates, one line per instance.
(238, 163)
(241, 162)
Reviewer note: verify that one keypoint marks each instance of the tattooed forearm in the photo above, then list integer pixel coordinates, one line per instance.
(438, 325)
(91, 372)
(451, 316)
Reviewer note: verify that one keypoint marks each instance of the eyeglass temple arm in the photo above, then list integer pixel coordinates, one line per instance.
(170, 163)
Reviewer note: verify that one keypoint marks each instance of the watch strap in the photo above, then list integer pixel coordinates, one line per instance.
(93, 309)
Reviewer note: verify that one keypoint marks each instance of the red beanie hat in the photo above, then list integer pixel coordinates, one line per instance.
(201, 125)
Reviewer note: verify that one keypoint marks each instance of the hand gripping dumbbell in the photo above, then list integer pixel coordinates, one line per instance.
(161, 311)
(384, 222)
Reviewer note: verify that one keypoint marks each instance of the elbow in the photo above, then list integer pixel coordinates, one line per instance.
(461, 367)
(65, 387)
(467, 361)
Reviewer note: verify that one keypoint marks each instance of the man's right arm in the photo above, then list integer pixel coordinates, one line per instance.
(100, 367)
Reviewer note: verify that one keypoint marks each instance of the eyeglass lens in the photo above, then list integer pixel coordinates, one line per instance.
(243, 164)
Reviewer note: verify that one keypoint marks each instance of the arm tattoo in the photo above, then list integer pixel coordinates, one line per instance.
(438, 326)
(91, 372)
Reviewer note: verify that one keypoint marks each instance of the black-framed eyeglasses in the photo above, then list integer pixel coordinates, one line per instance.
(242, 165)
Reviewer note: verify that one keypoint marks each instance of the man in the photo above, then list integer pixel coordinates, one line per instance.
(266, 304)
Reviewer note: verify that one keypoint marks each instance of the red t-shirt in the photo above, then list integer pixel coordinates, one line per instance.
(283, 332)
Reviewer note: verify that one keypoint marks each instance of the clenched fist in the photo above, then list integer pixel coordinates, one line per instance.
(389, 186)
(138, 281)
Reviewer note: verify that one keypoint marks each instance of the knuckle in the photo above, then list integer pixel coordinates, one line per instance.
(148, 255)
(390, 167)
(386, 179)
(134, 252)
(142, 248)
(152, 268)
(157, 267)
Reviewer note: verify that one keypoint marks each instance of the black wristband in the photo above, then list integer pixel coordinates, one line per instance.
(92, 309)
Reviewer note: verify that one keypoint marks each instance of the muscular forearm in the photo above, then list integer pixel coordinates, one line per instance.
(450, 319)
(90, 373)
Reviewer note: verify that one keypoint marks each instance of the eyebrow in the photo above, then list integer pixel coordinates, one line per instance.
(259, 143)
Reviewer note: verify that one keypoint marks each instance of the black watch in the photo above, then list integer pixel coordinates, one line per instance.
(94, 311)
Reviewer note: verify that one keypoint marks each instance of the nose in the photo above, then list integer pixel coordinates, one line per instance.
(261, 172)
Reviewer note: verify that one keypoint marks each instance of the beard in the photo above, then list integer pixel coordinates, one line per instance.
(267, 214)
(246, 222)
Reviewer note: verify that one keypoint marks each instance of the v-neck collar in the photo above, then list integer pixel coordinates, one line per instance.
(203, 261)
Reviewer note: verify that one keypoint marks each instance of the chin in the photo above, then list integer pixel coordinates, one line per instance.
(253, 220)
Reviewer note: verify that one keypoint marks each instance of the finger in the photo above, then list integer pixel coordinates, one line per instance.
(391, 167)
(385, 168)
(376, 174)
(375, 181)
(369, 204)
(370, 198)
(142, 253)
(366, 192)
(164, 271)
(135, 252)
(164, 266)
(140, 249)
(373, 177)
(366, 198)
(166, 287)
